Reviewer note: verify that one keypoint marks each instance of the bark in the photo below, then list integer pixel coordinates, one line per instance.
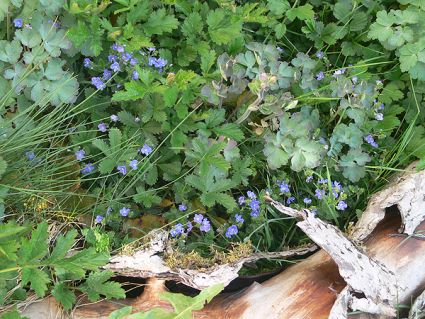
(372, 270)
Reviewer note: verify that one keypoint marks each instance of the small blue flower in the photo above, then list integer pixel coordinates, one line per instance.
(189, 226)
(126, 56)
(369, 139)
(122, 169)
(241, 200)
(118, 48)
(98, 219)
(114, 118)
(319, 193)
(231, 231)
(107, 74)
(336, 195)
(319, 54)
(87, 169)
(284, 188)
(115, 67)
(255, 205)
(254, 213)
(133, 61)
(177, 230)
(290, 200)
(30, 155)
(98, 83)
(354, 79)
(341, 205)
(379, 116)
(323, 181)
(80, 154)
(309, 179)
(108, 210)
(158, 63)
(239, 219)
(198, 218)
(320, 76)
(112, 58)
(28, 26)
(381, 107)
(145, 150)
(124, 211)
(151, 49)
(18, 22)
(307, 200)
(182, 207)
(102, 127)
(133, 164)
(205, 225)
(279, 49)
(339, 72)
(87, 63)
(135, 75)
(337, 186)
(251, 195)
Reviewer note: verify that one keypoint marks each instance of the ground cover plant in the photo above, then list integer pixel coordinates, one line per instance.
(123, 116)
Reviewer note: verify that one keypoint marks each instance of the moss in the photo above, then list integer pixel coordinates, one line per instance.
(193, 260)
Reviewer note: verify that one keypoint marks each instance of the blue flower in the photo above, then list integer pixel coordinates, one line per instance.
(177, 230)
(189, 226)
(241, 200)
(341, 205)
(379, 116)
(322, 181)
(124, 211)
(319, 54)
(80, 154)
(354, 79)
(309, 179)
(135, 75)
(307, 200)
(114, 118)
(115, 67)
(30, 155)
(284, 188)
(102, 127)
(133, 61)
(381, 107)
(87, 63)
(126, 56)
(158, 63)
(319, 193)
(28, 26)
(251, 195)
(108, 210)
(254, 213)
(320, 76)
(198, 218)
(98, 83)
(87, 169)
(255, 205)
(18, 22)
(279, 49)
(98, 219)
(339, 72)
(145, 150)
(290, 200)
(133, 164)
(151, 49)
(231, 231)
(205, 225)
(107, 74)
(336, 195)
(369, 139)
(239, 218)
(182, 207)
(118, 48)
(122, 169)
(112, 58)
(337, 186)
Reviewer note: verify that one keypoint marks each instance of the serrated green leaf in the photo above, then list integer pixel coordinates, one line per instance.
(10, 52)
(221, 28)
(230, 130)
(97, 284)
(146, 197)
(63, 246)
(278, 7)
(64, 295)
(35, 247)
(38, 279)
(3, 167)
(304, 12)
(160, 22)
(192, 25)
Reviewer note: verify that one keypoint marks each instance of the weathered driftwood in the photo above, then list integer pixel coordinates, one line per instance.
(374, 275)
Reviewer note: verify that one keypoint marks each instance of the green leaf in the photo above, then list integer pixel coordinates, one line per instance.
(64, 295)
(207, 61)
(278, 7)
(192, 25)
(230, 130)
(146, 197)
(14, 314)
(353, 164)
(63, 246)
(38, 279)
(304, 12)
(121, 313)
(10, 52)
(35, 247)
(3, 167)
(221, 28)
(97, 284)
(381, 29)
(276, 157)
(160, 22)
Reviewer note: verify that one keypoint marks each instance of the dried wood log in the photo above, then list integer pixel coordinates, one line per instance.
(385, 269)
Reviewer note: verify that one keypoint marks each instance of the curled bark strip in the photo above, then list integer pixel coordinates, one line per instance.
(147, 263)
(362, 273)
(418, 308)
(407, 193)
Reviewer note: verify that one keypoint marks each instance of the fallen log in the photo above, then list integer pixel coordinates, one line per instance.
(372, 272)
